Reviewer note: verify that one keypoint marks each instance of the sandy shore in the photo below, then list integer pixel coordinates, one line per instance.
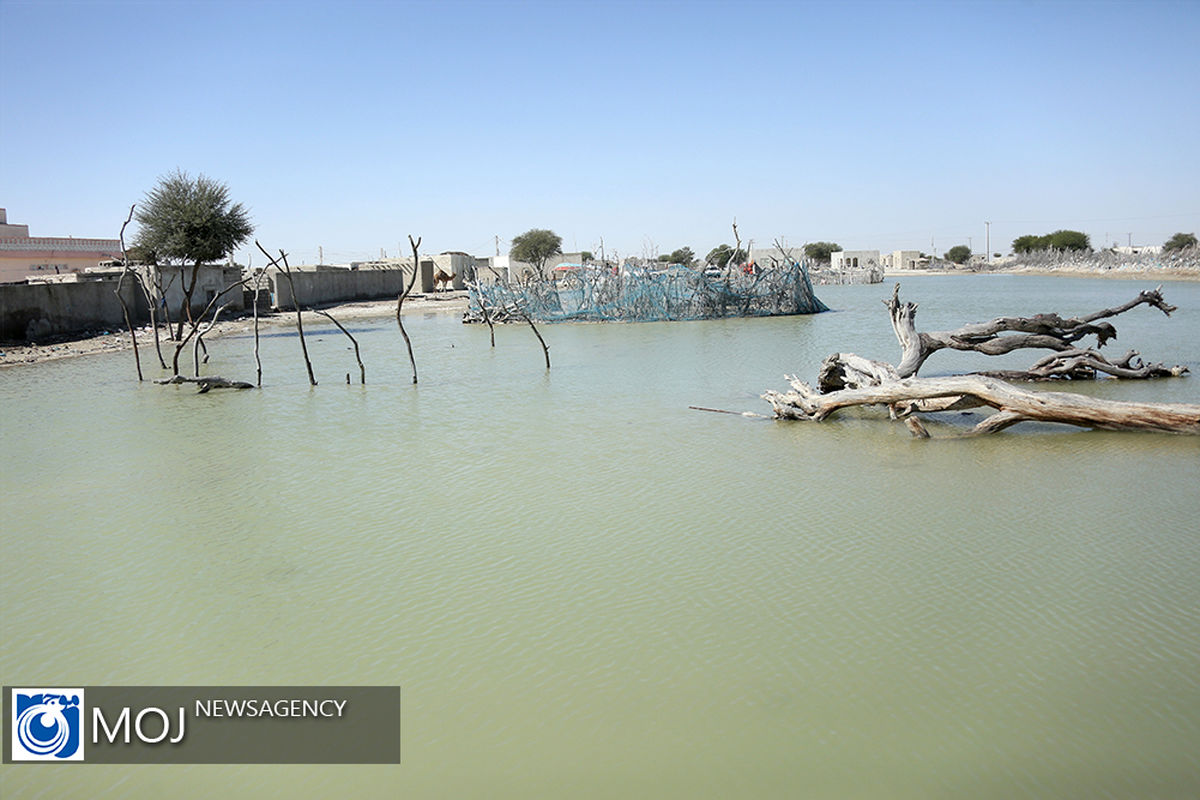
(112, 341)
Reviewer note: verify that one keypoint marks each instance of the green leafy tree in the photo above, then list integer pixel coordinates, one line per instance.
(1180, 241)
(958, 254)
(190, 221)
(721, 255)
(1070, 240)
(821, 252)
(1059, 240)
(1030, 243)
(586, 256)
(187, 220)
(683, 255)
(535, 246)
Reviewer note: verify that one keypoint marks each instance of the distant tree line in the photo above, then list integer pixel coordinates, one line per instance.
(1059, 240)
(1180, 241)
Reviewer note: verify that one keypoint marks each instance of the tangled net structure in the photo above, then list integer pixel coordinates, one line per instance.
(599, 294)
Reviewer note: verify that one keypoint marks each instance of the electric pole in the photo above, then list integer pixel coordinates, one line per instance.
(988, 227)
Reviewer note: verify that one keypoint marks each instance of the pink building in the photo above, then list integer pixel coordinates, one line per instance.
(22, 255)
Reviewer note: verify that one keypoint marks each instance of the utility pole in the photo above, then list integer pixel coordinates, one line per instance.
(320, 254)
(1130, 235)
(602, 261)
(497, 244)
(988, 227)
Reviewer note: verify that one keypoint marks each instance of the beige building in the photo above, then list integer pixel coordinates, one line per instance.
(854, 259)
(22, 255)
(902, 259)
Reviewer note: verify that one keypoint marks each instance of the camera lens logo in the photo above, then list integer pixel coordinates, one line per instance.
(47, 724)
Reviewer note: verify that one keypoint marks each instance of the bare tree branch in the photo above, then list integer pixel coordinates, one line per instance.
(403, 295)
(137, 359)
(287, 273)
(362, 371)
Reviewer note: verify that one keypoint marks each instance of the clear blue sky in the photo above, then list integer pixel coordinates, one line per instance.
(348, 125)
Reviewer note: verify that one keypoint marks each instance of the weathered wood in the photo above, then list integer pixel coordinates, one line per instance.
(1013, 404)
(1041, 331)
(1086, 365)
(207, 382)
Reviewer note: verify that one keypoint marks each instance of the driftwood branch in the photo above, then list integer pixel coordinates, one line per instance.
(847, 380)
(1013, 404)
(1042, 331)
(206, 383)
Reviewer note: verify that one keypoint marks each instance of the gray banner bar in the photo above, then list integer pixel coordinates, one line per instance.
(231, 725)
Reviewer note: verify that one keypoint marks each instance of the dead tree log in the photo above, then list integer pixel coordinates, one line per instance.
(1042, 331)
(1013, 405)
(848, 380)
(207, 382)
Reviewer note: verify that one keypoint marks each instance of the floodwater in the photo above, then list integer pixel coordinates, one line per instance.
(587, 590)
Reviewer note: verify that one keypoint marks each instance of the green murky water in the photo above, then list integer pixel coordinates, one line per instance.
(587, 590)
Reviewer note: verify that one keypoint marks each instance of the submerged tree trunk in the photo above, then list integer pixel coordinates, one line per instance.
(287, 273)
(400, 302)
(362, 371)
(137, 358)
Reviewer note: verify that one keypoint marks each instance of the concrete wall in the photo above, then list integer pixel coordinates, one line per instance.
(210, 281)
(321, 286)
(34, 310)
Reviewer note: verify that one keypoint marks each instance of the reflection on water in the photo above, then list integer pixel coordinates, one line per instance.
(587, 590)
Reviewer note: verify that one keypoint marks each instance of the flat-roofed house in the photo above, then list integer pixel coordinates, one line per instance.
(22, 255)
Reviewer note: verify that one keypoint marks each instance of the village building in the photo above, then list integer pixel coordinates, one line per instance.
(854, 259)
(22, 255)
(902, 259)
